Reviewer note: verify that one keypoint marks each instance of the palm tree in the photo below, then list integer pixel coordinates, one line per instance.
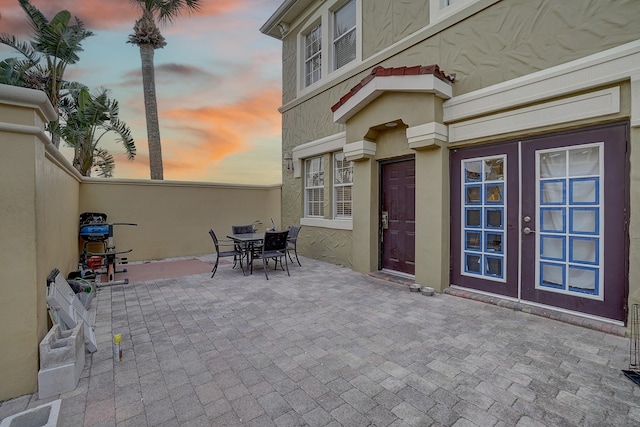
(85, 119)
(148, 38)
(57, 42)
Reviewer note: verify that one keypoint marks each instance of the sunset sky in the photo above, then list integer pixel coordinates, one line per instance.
(218, 83)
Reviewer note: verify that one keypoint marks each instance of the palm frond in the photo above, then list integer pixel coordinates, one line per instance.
(36, 19)
(25, 48)
(171, 9)
(103, 163)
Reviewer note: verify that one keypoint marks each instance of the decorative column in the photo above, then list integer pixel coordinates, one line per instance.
(365, 202)
(432, 204)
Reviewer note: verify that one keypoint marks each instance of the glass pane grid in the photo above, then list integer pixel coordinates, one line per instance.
(314, 187)
(342, 186)
(569, 212)
(313, 56)
(484, 209)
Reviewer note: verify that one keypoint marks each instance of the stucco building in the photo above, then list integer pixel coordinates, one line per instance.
(489, 145)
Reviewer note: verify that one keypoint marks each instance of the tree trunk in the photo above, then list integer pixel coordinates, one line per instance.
(151, 111)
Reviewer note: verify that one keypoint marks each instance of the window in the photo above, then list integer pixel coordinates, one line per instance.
(323, 52)
(441, 9)
(313, 56)
(344, 35)
(314, 187)
(342, 186)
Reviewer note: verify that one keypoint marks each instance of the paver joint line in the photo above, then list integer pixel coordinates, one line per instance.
(328, 346)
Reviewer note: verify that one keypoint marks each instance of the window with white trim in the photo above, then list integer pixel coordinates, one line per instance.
(344, 35)
(342, 186)
(323, 52)
(313, 55)
(314, 187)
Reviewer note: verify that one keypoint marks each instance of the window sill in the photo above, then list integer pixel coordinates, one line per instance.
(337, 224)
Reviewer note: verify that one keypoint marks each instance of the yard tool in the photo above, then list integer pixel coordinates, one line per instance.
(95, 229)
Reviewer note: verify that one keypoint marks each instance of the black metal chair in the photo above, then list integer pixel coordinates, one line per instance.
(292, 242)
(244, 247)
(274, 246)
(236, 254)
(242, 229)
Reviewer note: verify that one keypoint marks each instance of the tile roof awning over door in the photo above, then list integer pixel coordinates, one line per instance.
(427, 79)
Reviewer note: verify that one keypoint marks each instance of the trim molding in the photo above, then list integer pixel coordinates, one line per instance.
(606, 67)
(594, 104)
(359, 150)
(427, 83)
(327, 144)
(635, 100)
(337, 224)
(428, 135)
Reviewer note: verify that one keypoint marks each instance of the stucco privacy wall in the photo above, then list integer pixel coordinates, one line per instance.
(41, 197)
(174, 217)
(39, 201)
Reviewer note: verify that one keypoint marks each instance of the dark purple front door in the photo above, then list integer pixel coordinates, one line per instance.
(398, 216)
(544, 220)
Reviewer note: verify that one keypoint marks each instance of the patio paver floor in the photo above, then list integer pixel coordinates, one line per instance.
(332, 347)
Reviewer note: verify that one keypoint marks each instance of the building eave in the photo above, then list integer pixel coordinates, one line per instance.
(277, 26)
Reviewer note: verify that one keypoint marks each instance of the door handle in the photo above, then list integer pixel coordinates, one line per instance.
(527, 230)
(385, 220)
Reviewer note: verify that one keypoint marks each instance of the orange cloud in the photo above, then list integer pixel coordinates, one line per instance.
(98, 14)
(195, 139)
(220, 131)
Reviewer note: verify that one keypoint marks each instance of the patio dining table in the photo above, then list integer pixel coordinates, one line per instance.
(247, 241)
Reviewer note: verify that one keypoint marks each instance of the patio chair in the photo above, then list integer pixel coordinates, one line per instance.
(243, 247)
(274, 246)
(235, 253)
(242, 229)
(292, 242)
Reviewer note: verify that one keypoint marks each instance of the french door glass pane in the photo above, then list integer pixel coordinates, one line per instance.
(553, 165)
(584, 161)
(568, 220)
(584, 191)
(552, 248)
(552, 192)
(484, 210)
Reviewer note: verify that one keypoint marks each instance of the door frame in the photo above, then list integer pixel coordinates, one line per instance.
(621, 133)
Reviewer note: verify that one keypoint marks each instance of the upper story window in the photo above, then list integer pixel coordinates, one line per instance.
(323, 52)
(441, 9)
(313, 55)
(314, 187)
(344, 35)
(342, 186)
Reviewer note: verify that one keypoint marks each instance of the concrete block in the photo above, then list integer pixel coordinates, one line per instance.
(41, 416)
(62, 356)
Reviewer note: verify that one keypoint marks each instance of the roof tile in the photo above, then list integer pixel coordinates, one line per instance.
(381, 71)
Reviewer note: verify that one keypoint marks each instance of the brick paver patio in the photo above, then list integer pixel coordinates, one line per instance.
(332, 347)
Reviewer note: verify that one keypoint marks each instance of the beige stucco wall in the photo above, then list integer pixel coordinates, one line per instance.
(174, 217)
(500, 41)
(42, 196)
(398, 18)
(35, 228)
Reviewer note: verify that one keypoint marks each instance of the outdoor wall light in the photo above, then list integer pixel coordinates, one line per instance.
(288, 162)
(284, 28)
